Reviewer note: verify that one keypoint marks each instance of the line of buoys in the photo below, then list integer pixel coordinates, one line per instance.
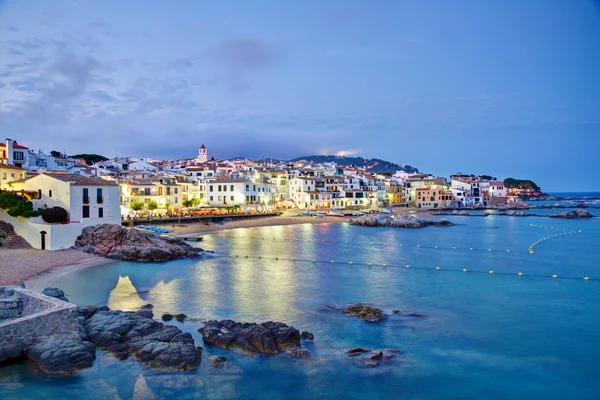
(437, 268)
(548, 238)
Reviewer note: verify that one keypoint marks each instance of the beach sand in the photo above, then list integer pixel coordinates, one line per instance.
(16, 266)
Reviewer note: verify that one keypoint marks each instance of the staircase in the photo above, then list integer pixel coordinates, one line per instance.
(12, 241)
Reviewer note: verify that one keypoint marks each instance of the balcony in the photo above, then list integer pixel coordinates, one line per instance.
(100, 199)
(86, 200)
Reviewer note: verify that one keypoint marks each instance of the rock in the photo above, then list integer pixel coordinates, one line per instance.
(580, 204)
(303, 354)
(13, 351)
(116, 242)
(155, 345)
(367, 358)
(266, 338)
(396, 221)
(166, 317)
(396, 312)
(366, 313)
(88, 311)
(180, 317)
(146, 313)
(460, 212)
(147, 307)
(575, 214)
(220, 362)
(307, 335)
(357, 350)
(56, 293)
(518, 214)
(62, 356)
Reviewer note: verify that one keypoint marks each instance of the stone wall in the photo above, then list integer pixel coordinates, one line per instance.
(42, 318)
(11, 304)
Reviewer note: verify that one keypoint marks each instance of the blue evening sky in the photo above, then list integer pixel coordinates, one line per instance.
(508, 88)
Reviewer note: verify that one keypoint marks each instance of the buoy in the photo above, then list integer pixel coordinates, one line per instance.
(386, 244)
(408, 266)
(259, 257)
(464, 270)
(508, 251)
(554, 276)
(418, 245)
(491, 272)
(530, 252)
(454, 248)
(357, 242)
(370, 264)
(520, 274)
(277, 258)
(347, 242)
(322, 241)
(489, 249)
(293, 259)
(470, 248)
(586, 279)
(332, 261)
(400, 244)
(246, 256)
(437, 268)
(334, 241)
(580, 231)
(436, 247)
(350, 262)
(371, 244)
(236, 256)
(385, 265)
(314, 260)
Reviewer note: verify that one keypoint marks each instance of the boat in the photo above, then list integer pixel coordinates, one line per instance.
(335, 214)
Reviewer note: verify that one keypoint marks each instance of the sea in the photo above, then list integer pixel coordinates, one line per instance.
(485, 331)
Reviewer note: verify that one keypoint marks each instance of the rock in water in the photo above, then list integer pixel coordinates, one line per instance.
(266, 338)
(62, 356)
(303, 354)
(576, 214)
(166, 317)
(396, 221)
(155, 345)
(56, 293)
(368, 359)
(357, 350)
(116, 242)
(180, 317)
(307, 335)
(220, 362)
(366, 313)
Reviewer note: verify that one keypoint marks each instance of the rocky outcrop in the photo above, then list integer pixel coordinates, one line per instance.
(307, 335)
(252, 338)
(56, 293)
(155, 345)
(116, 242)
(368, 359)
(396, 221)
(366, 313)
(220, 362)
(62, 356)
(303, 354)
(576, 214)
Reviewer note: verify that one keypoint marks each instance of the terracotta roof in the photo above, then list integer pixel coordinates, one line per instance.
(15, 146)
(8, 166)
(75, 179)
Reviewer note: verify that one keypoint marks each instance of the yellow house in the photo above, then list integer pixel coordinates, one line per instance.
(9, 174)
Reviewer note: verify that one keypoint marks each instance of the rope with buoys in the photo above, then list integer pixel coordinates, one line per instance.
(572, 232)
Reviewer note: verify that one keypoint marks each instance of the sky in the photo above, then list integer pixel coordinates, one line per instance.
(509, 89)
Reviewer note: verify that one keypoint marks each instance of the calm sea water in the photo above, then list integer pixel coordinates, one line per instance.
(484, 336)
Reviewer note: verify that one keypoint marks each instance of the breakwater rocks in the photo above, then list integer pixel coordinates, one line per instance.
(372, 358)
(267, 338)
(155, 345)
(366, 313)
(116, 242)
(396, 221)
(577, 214)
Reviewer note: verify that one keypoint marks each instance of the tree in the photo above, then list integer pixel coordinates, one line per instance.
(55, 153)
(193, 202)
(151, 205)
(136, 205)
(54, 215)
(90, 158)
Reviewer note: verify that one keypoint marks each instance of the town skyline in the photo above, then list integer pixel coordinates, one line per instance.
(396, 82)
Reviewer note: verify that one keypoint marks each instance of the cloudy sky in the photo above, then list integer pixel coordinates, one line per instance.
(507, 88)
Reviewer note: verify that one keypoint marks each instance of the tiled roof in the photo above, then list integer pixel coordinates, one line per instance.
(7, 166)
(80, 180)
(15, 146)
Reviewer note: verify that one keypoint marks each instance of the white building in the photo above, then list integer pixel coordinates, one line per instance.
(232, 192)
(12, 153)
(202, 155)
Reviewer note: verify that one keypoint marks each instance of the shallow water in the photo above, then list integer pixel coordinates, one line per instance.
(484, 336)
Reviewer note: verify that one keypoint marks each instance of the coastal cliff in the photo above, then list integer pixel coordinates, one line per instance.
(396, 221)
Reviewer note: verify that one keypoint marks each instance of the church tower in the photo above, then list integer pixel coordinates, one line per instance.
(202, 154)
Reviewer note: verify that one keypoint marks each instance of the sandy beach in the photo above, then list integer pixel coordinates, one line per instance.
(16, 266)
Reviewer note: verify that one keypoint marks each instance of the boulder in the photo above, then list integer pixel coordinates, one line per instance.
(307, 335)
(252, 338)
(155, 345)
(368, 359)
(575, 214)
(299, 353)
(366, 313)
(56, 293)
(357, 350)
(116, 242)
(396, 221)
(166, 317)
(62, 356)
(180, 317)
(220, 362)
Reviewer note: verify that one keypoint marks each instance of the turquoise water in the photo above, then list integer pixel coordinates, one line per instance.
(484, 336)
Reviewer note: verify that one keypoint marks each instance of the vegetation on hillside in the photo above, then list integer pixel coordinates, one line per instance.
(16, 206)
(90, 158)
(373, 165)
(511, 183)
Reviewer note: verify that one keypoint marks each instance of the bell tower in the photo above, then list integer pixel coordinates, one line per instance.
(202, 154)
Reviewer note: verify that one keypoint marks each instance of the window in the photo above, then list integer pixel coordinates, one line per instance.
(99, 198)
(219, 188)
(18, 155)
(231, 188)
(50, 193)
(247, 188)
(211, 189)
(100, 212)
(86, 211)
(168, 191)
(224, 188)
(86, 197)
(254, 188)
(175, 190)
(176, 200)
(231, 198)
(211, 198)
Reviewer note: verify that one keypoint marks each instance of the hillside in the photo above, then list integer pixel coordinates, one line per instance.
(511, 183)
(374, 164)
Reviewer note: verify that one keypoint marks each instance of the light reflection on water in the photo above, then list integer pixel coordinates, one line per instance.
(492, 337)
